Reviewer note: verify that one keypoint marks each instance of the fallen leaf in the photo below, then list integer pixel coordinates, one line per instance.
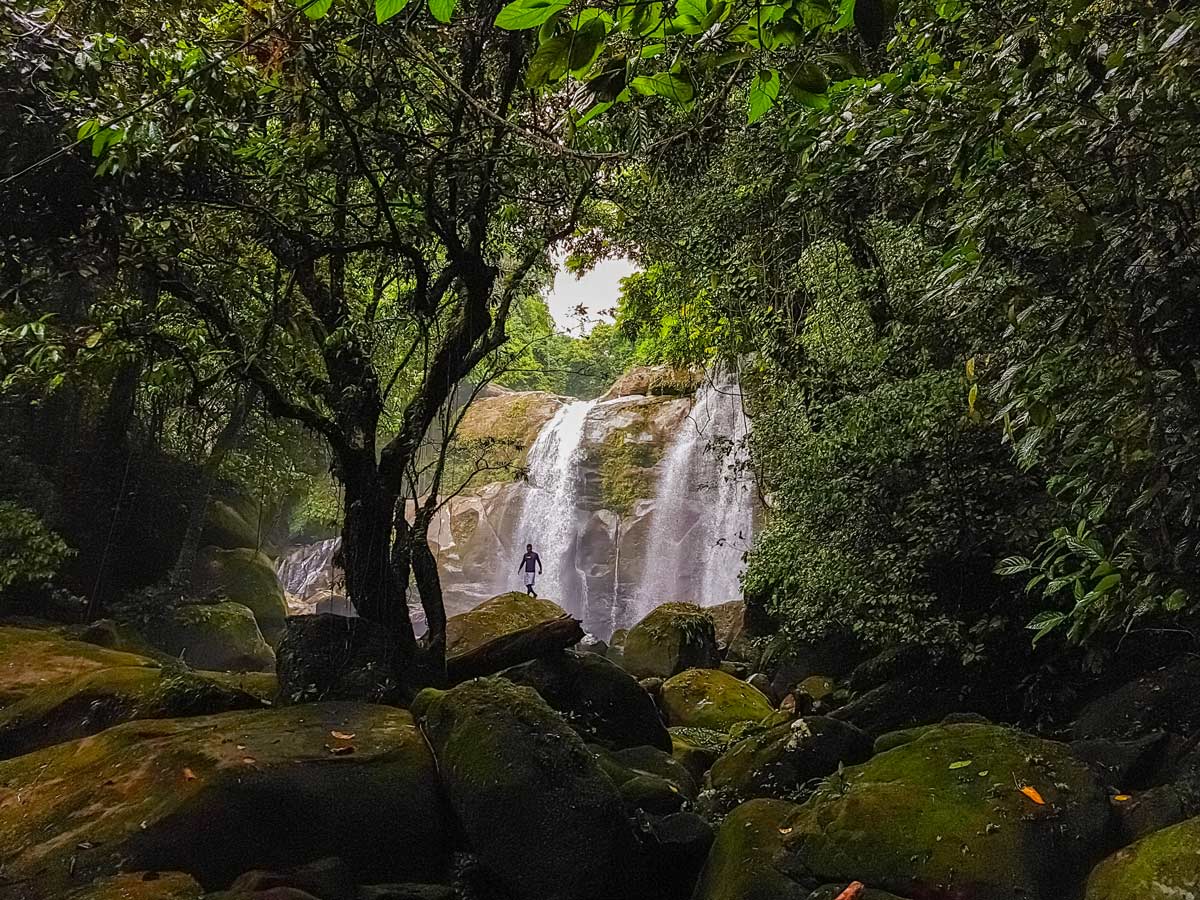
(342, 736)
(189, 775)
(853, 891)
(1033, 795)
(85, 845)
(249, 760)
(983, 774)
(341, 750)
(961, 764)
(786, 829)
(1121, 798)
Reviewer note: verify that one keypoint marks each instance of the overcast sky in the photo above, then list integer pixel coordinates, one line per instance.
(598, 290)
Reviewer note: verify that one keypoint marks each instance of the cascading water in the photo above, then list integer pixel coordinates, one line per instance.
(548, 511)
(703, 516)
(309, 568)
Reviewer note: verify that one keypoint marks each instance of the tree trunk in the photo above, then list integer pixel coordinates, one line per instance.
(429, 585)
(515, 648)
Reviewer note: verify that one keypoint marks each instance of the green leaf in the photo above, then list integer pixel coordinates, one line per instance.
(316, 9)
(1106, 584)
(386, 9)
(585, 46)
(1045, 622)
(960, 764)
(549, 63)
(696, 8)
(442, 10)
(522, 14)
(640, 19)
(763, 94)
(1012, 565)
(675, 87)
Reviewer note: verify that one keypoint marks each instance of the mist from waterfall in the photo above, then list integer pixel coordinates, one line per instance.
(703, 518)
(548, 518)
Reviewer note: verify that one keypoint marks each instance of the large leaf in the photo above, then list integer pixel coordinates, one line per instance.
(763, 94)
(611, 79)
(442, 10)
(585, 46)
(522, 14)
(640, 18)
(386, 9)
(673, 86)
(316, 9)
(549, 63)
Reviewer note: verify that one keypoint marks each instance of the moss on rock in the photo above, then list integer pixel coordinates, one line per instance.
(500, 615)
(708, 698)
(215, 796)
(97, 700)
(214, 636)
(944, 817)
(247, 576)
(1165, 863)
(141, 886)
(627, 460)
(672, 638)
(742, 864)
(533, 802)
(35, 660)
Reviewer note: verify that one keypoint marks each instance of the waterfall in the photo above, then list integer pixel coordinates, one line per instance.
(548, 511)
(703, 514)
(308, 569)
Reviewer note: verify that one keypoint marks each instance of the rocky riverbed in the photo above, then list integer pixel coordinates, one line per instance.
(679, 761)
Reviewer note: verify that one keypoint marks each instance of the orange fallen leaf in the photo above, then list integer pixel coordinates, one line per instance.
(853, 891)
(342, 736)
(189, 775)
(1033, 795)
(1121, 798)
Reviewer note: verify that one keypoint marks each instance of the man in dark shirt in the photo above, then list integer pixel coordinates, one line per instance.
(529, 563)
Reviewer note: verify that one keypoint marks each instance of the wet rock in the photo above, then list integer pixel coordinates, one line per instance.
(760, 682)
(329, 878)
(678, 844)
(672, 638)
(648, 779)
(598, 698)
(915, 698)
(1163, 864)
(532, 801)
(655, 381)
(833, 891)
(495, 617)
(786, 761)
(968, 830)
(892, 663)
(733, 639)
(216, 796)
(1167, 699)
(219, 637)
(34, 660)
(405, 892)
(1124, 765)
(743, 862)
(140, 886)
(90, 703)
(247, 576)
(708, 698)
(337, 658)
(816, 687)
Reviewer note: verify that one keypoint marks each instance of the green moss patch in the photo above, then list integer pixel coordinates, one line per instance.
(672, 638)
(34, 660)
(500, 615)
(1165, 863)
(708, 698)
(626, 468)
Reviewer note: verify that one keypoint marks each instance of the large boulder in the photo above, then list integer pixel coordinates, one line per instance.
(784, 761)
(648, 778)
(672, 638)
(247, 576)
(215, 796)
(531, 799)
(968, 810)
(655, 381)
(141, 886)
(743, 862)
(33, 660)
(919, 697)
(228, 528)
(495, 617)
(219, 637)
(733, 638)
(1167, 699)
(1164, 864)
(708, 698)
(330, 657)
(97, 700)
(599, 699)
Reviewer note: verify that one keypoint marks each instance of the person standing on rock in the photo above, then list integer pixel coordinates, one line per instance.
(529, 563)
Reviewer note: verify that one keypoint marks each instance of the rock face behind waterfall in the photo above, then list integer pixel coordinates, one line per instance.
(626, 500)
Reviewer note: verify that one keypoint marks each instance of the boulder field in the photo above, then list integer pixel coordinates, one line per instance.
(566, 777)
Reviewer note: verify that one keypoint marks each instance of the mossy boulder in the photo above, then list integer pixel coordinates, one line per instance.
(743, 861)
(247, 576)
(599, 699)
(655, 381)
(219, 637)
(97, 700)
(495, 617)
(34, 660)
(1163, 864)
(215, 796)
(627, 457)
(785, 761)
(648, 778)
(533, 802)
(672, 638)
(945, 816)
(141, 886)
(708, 698)
(228, 528)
